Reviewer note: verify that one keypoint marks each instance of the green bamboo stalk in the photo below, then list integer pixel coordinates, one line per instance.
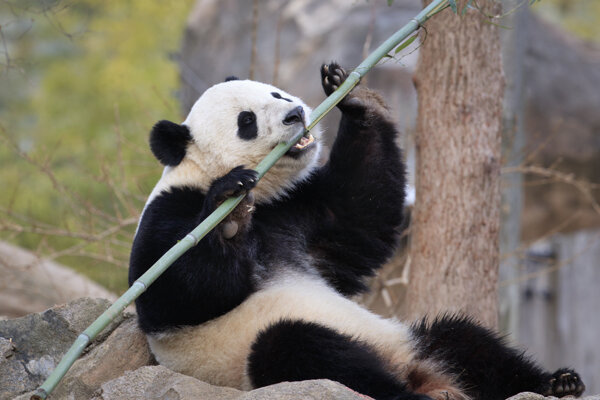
(192, 238)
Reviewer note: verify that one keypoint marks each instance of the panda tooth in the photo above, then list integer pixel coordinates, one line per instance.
(304, 141)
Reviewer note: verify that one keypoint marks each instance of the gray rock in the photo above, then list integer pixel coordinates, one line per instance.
(7, 348)
(31, 346)
(158, 382)
(534, 396)
(124, 350)
(115, 365)
(32, 284)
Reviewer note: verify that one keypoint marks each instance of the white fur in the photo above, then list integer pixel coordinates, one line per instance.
(217, 351)
(216, 147)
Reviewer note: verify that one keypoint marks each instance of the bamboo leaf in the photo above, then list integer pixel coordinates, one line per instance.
(405, 44)
(390, 2)
(467, 6)
(453, 6)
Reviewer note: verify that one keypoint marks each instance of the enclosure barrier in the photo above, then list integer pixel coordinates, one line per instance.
(191, 239)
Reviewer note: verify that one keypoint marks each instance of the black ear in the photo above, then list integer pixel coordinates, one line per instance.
(232, 78)
(168, 142)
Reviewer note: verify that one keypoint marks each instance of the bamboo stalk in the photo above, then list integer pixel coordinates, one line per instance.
(191, 239)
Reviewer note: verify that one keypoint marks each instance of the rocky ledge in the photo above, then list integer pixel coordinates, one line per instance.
(118, 364)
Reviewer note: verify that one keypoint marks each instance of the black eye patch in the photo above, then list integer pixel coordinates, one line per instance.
(278, 96)
(247, 128)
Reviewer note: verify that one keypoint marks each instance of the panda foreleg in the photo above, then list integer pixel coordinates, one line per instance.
(364, 168)
(484, 364)
(360, 189)
(238, 181)
(298, 350)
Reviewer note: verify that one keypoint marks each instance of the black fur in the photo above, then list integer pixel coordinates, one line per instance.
(565, 382)
(210, 278)
(344, 221)
(232, 78)
(247, 127)
(345, 216)
(298, 350)
(487, 368)
(168, 142)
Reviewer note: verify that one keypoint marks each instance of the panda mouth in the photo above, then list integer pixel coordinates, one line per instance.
(303, 144)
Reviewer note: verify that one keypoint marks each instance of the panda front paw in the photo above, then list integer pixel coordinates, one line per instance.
(565, 382)
(236, 182)
(332, 76)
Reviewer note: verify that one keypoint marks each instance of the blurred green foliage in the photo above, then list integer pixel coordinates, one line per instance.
(578, 17)
(81, 83)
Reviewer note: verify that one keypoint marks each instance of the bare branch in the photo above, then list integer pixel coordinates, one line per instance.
(254, 32)
(555, 267)
(584, 187)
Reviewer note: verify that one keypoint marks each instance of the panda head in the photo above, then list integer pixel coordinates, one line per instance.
(237, 122)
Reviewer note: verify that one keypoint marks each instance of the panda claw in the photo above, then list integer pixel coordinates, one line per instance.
(238, 181)
(565, 382)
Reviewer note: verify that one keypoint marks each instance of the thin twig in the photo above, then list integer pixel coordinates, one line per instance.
(555, 267)
(253, 36)
(584, 187)
(277, 49)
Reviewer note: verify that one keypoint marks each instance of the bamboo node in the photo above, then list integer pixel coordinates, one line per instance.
(85, 337)
(194, 238)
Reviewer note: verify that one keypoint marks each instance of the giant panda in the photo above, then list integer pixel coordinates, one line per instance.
(266, 296)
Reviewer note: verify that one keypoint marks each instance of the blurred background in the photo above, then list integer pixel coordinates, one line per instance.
(82, 83)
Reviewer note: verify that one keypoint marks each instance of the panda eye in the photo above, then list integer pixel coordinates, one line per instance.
(247, 127)
(246, 118)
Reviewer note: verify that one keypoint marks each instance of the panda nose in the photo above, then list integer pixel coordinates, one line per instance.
(295, 116)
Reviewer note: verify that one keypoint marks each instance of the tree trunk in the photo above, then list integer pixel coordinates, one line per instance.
(514, 43)
(454, 250)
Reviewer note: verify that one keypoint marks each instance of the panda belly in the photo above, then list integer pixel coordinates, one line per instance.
(217, 351)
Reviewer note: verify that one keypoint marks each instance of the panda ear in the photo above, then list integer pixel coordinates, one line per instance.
(232, 78)
(168, 142)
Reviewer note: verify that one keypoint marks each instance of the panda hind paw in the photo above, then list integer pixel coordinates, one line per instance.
(565, 382)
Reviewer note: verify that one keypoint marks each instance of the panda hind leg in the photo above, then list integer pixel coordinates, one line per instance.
(484, 365)
(298, 350)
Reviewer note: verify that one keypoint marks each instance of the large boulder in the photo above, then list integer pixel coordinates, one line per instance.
(124, 350)
(534, 396)
(160, 383)
(32, 346)
(118, 364)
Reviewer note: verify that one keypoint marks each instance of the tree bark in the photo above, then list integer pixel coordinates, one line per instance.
(455, 229)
